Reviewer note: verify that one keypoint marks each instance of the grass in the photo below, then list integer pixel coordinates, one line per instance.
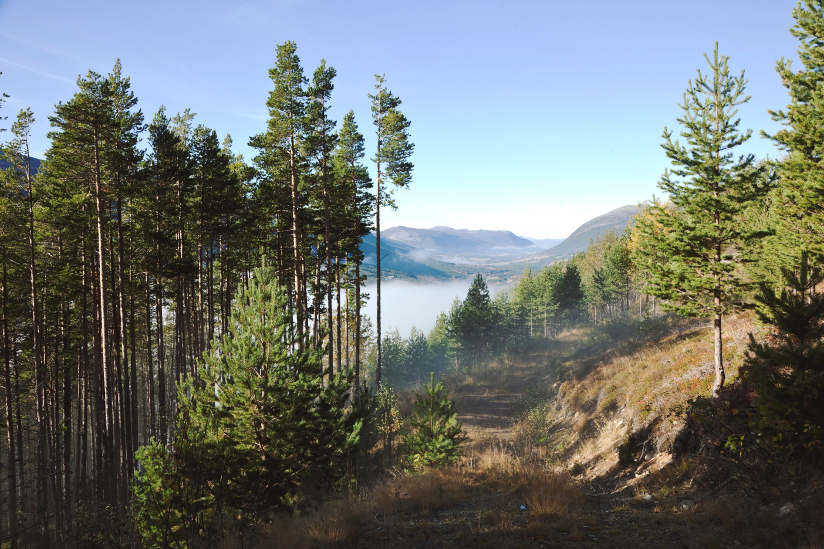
(489, 487)
(584, 399)
(638, 384)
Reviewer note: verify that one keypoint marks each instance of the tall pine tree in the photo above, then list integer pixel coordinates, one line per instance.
(701, 236)
(394, 170)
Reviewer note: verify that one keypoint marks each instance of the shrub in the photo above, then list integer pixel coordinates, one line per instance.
(434, 436)
(259, 428)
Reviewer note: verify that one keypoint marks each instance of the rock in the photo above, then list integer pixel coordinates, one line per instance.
(785, 509)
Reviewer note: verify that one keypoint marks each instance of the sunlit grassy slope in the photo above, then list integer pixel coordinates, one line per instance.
(588, 457)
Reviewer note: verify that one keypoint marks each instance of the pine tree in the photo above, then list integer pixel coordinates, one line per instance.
(701, 236)
(393, 168)
(786, 373)
(354, 184)
(474, 322)
(435, 435)
(257, 430)
(797, 211)
(320, 142)
(285, 133)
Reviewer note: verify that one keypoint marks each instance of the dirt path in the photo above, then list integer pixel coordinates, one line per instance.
(490, 415)
(492, 516)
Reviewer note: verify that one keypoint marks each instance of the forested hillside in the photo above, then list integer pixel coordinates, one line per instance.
(614, 221)
(186, 362)
(121, 270)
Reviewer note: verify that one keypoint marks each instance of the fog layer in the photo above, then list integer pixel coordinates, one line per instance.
(405, 304)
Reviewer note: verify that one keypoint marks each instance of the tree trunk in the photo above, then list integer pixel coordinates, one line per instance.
(12, 476)
(161, 370)
(296, 241)
(719, 359)
(150, 425)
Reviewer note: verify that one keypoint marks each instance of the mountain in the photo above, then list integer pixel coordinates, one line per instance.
(35, 164)
(579, 240)
(544, 243)
(400, 260)
(396, 260)
(460, 245)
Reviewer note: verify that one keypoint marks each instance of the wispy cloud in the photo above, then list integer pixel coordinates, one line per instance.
(35, 71)
(57, 52)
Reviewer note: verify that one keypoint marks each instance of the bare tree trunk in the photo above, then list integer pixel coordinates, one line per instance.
(12, 476)
(357, 326)
(347, 324)
(337, 279)
(161, 370)
(299, 298)
(103, 328)
(125, 390)
(151, 421)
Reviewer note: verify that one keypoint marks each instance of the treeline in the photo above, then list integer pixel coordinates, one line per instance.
(120, 268)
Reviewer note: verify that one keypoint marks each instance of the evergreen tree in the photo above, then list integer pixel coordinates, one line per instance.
(786, 373)
(259, 428)
(435, 435)
(393, 168)
(571, 291)
(281, 155)
(418, 356)
(473, 323)
(394, 358)
(701, 235)
(354, 185)
(797, 212)
(320, 142)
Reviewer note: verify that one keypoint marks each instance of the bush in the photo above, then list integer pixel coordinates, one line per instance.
(434, 436)
(787, 376)
(257, 431)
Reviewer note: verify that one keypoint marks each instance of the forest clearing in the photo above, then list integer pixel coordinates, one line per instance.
(527, 479)
(187, 361)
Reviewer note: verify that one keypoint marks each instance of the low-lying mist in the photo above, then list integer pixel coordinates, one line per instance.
(405, 304)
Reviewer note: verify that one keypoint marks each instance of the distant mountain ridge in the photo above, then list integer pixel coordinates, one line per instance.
(34, 162)
(578, 241)
(446, 240)
(443, 252)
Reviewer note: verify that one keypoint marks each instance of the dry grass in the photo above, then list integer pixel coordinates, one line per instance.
(495, 480)
(509, 489)
(640, 386)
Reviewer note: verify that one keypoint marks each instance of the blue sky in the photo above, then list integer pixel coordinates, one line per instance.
(527, 116)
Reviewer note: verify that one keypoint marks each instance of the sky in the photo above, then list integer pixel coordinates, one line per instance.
(526, 116)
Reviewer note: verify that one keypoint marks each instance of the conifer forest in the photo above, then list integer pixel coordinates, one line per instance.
(185, 355)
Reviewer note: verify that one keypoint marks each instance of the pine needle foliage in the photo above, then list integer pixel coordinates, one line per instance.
(798, 201)
(701, 235)
(257, 431)
(787, 374)
(434, 437)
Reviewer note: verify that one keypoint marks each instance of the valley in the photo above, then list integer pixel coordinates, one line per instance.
(443, 253)
(543, 465)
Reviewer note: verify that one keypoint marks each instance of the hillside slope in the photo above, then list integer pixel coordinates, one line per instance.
(35, 164)
(577, 442)
(579, 240)
(446, 240)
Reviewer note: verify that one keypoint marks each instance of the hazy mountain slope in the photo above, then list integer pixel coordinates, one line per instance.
(396, 260)
(443, 252)
(448, 241)
(544, 243)
(35, 164)
(579, 240)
